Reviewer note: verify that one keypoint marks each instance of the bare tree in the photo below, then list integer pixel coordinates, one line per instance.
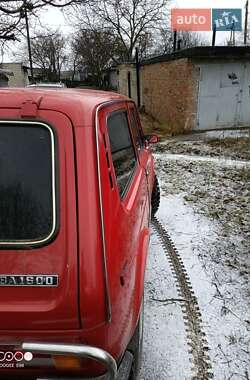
(146, 43)
(96, 50)
(12, 14)
(165, 44)
(191, 39)
(75, 58)
(49, 54)
(130, 20)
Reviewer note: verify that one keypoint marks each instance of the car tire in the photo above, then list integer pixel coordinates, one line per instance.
(155, 199)
(136, 345)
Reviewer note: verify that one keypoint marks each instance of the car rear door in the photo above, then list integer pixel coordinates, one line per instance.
(38, 225)
(125, 207)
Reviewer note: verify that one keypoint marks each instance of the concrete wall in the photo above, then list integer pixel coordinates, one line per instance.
(169, 92)
(20, 77)
(123, 80)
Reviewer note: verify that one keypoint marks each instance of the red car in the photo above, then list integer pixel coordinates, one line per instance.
(77, 186)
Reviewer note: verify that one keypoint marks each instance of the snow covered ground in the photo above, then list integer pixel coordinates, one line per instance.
(205, 208)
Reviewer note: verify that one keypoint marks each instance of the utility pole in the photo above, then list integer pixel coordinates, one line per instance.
(175, 40)
(246, 24)
(138, 82)
(232, 35)
(28, 39)
(214, 35)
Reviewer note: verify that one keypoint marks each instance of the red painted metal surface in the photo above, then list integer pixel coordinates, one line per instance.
(76, 311)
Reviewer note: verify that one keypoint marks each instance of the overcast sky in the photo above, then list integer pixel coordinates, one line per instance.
(55, 19)
(211, 3)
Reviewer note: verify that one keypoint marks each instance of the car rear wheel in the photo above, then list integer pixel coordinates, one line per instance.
(155, 200)
(135, 346)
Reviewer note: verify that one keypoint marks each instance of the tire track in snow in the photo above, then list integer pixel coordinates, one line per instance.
(196, 337)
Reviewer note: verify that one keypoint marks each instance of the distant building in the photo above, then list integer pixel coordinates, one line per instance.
(67, 76)
(77, 76)
(19, 76)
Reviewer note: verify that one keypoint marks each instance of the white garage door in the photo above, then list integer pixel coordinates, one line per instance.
(224, 95)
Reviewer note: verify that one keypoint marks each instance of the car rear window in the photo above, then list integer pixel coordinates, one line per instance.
(27, 183)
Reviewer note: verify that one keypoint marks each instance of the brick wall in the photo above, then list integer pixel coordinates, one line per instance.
(169, 92)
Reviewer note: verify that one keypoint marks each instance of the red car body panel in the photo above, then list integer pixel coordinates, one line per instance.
(86, 307)
(22, 307)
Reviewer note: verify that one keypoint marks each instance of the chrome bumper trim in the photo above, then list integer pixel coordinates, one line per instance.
(80, 351)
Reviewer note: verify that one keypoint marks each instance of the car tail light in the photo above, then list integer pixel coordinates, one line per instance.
(66, 362)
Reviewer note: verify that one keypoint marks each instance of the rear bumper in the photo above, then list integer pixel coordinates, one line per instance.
(80, 351)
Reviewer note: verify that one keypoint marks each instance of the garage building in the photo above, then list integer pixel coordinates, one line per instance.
(201, 88)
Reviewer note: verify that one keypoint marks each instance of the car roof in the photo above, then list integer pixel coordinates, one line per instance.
(77, 104)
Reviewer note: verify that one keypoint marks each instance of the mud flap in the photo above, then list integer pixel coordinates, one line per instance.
(125, 367)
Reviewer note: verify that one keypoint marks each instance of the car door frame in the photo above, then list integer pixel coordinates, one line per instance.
(133, 266)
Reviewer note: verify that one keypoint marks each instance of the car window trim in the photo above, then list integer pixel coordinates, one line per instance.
(133, 110)
(131, 176)
(43, 241)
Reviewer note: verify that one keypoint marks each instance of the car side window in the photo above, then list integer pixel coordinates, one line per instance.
(122, 149)
(135, 129)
